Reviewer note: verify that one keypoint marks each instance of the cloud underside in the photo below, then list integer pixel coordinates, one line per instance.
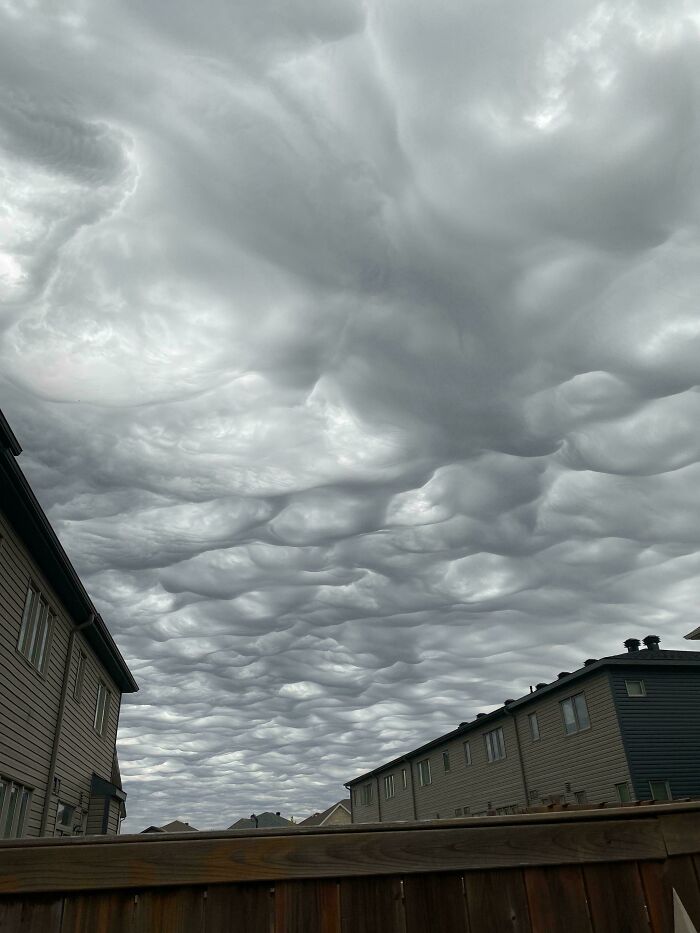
(354, 348)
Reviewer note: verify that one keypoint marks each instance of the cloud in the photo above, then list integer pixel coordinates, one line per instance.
(353, 350)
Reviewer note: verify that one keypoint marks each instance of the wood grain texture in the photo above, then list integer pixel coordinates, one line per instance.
(98, 913)
(372, 905)
(657, 895)
(153, 863)
(435, 902)
(38, 915)
(557, 900)
(241, 908)
(616, 898)
(177, 911)
(681, 832)
(307, 907)
(497, 902)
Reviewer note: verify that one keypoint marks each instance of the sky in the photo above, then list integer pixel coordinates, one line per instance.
(354, 349)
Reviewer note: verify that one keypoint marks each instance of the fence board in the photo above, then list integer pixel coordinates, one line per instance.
(180, 910)
(307, 907)
(435, 902)
(557, 900)
(241, 908)
(497, 902)
(371, 905)
(98, 913)
(616, 898)
(40, 915)
(657, 895)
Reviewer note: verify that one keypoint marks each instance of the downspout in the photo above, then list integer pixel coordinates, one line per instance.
(59, 720)
(379, 800)
(520, 756)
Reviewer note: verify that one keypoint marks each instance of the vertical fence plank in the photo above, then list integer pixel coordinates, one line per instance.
(616, 898)
(557, 900)
(683, 877)
(307, 907)
(31, 914)
(177, 910)
(497, 901)
(372, 905)
(98, 913)
(658, 896)
(435, 902)
(240, 908)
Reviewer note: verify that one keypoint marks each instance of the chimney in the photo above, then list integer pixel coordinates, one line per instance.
(632, 644)
(277, 813)
(652, 642)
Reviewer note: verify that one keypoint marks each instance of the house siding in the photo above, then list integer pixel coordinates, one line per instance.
(30, 701)
(661, 731)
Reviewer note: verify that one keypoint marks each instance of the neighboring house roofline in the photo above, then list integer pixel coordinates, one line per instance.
(646, 658)
(21, 506)
(694, 634)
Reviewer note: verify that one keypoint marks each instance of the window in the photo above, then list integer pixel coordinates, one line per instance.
(424, 777)
(458, 811)
(467, 753)
(14, 803)
(660, 790)
(495, 745)
(64, 817)
(575, 713)
(504, 811)
(389, 786)
(101, 708)
(446, 761)
(580, 796)
(635, 688)
(534, 727)
(404, 778)
(36, 626)
(79, 674)
(623, 792)
(366, 794)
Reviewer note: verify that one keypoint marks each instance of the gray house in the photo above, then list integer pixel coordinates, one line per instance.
(61, 679)
(618, 729)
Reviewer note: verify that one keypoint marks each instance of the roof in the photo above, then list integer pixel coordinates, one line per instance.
(318, 819)
(178, 826)
(644, 658)
(263, 820)
(26, 516)
(694, 634)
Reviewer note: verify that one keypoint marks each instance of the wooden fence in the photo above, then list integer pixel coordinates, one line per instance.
(596, 871)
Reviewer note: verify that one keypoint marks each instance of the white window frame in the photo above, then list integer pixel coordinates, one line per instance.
(35, 630)
(389, 787)
(572, 705)
(66, 828)
(424, 776)
(623, 791)
(102, 704)
(12, 816)
(534, 724)
(404, 778)
(79, 675)
(495, 745)
(446, 766)
(367, 794)
(467, 753)
(669, 795)
(642, 686)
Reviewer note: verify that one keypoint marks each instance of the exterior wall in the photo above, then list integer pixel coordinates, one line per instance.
(592, 761)
(29, 700)
(661, 731)
(338, 817)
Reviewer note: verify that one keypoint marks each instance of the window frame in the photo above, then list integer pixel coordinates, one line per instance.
(467, 753)
(667, 787)
(446, 766)
(636, 696)
(625, 797)
(12, 821)
(389, 786)
(495, 743)
(404, 778)
(102, 710)
(66, 828)
(535, 734)
(36, 629)
(422, 772)
(573, 706)
(367, 796)
(81, 663)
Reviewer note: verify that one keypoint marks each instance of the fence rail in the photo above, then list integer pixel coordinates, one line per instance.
(592, 871)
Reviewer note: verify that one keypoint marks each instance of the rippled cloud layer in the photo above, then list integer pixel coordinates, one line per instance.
(355, 349)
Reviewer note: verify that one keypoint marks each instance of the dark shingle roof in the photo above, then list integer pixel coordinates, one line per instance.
(318, 818)
(265, 819)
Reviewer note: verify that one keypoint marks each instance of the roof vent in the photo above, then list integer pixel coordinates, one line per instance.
(508, 702)
(589, 661)
(632, 644)
(652, 642)
(563, 674)
(480, 715)
(539, 686)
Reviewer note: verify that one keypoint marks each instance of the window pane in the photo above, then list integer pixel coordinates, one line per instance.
(660, 790)
(501, 743)
(581, 711)
(8, 829)
(635, 688)
(446, 761)
(24, 803)
(534, 726)
(404, 777)
(623, 792)
(567, 709)
(42, 639)
(79, 674)
(467, 753)
(25, 631)
(38, 618)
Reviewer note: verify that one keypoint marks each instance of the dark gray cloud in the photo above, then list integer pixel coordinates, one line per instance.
(354, 351)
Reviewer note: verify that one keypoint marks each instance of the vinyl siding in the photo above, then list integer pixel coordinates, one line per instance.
(29, 700)
(661, 730)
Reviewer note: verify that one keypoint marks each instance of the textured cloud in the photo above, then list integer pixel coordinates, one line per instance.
(355, 354)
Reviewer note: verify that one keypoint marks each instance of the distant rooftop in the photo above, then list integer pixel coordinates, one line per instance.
(261, 821)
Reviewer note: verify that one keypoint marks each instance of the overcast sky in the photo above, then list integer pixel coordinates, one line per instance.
(354, 350)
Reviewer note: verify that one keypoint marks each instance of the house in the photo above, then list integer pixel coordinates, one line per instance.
(61, 682)
(618, 729)
(336, 815)
(261, 821)
(177, 826)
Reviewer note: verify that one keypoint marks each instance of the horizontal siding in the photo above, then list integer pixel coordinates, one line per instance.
(661, 731)
(29, 701)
